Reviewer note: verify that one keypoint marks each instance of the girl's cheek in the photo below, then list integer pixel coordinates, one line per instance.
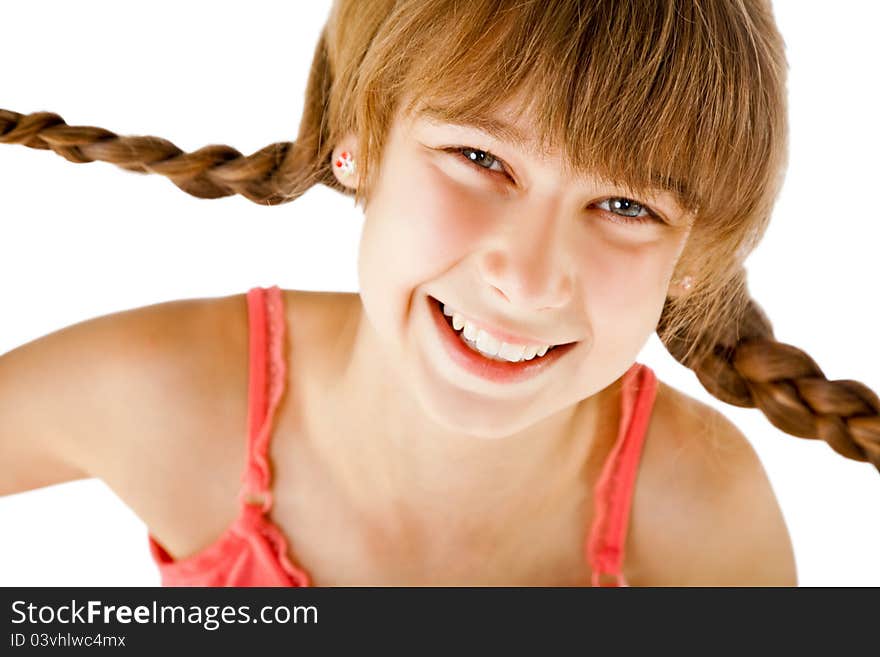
(447, 218)
(611, 274)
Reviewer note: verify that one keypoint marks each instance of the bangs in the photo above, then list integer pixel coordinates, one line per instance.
(647, 95)
(590, 168)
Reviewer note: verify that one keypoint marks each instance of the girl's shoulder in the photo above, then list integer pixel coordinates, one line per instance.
(311, 313)
(198, 369)
(172, 378)
(168, 386)
(708, 513)
(150, 400)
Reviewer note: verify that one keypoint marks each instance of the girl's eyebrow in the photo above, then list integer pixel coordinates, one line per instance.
(506, 132)
(497, 128)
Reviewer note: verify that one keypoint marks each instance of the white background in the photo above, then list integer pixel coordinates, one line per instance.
(82, 240)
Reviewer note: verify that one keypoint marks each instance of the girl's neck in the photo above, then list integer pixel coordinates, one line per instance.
(400, 467)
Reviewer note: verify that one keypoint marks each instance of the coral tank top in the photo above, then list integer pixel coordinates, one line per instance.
(253, 551)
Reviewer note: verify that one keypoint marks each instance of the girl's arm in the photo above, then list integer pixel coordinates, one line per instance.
(48, 389)
(118, 396)
(33, 454)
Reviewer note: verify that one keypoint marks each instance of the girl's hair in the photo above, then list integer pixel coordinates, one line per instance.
(689, 95)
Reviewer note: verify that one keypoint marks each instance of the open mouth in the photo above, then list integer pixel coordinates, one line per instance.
(448, 319)
(465, 353)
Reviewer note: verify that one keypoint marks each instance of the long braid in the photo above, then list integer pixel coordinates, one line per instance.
(275, 174)
(210, 172)
(745, 366)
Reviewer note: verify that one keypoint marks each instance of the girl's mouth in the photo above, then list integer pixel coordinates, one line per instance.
(465, 353)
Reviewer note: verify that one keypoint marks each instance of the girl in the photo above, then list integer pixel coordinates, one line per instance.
(538, 186)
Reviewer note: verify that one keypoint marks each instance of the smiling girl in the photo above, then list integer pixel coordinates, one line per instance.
(541, 192)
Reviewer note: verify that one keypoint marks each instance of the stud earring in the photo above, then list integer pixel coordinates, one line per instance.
(345, 164)
(686, 282)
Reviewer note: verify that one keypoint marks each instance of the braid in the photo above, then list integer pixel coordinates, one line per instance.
(210, 172)
(745, 366)
(277, 173)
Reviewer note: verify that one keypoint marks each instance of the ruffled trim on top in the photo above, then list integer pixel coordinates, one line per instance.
(260, 468)
(613, 492)
(266, 384)
(216, 565)
(258, 476)
(276, 538)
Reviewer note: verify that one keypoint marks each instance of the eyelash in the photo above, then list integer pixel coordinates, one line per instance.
(652, 216)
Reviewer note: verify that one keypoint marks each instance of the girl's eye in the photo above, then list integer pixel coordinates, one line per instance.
(634, 211)
(642, 214)
(480, 159)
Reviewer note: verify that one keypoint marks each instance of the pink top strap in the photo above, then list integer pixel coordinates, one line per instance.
(267, 374)
(614, 490)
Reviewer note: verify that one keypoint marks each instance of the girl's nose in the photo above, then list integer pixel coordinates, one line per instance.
(529, 270)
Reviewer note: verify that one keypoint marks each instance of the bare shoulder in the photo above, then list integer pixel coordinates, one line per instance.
(183, 358)
(173, 379)
(89, 391)
(316, 323)
(316, 312)
(207, 367)
(715, 519)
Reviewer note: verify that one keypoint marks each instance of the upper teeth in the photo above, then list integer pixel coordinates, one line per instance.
(489, 344)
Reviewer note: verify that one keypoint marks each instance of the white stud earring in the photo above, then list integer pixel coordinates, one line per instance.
(686, 282)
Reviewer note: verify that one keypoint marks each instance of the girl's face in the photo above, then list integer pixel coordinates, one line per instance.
(494, 229)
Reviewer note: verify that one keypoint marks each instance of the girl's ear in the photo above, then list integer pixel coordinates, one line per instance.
(344, 161)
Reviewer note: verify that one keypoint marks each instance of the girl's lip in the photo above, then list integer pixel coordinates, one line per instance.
(492, 370)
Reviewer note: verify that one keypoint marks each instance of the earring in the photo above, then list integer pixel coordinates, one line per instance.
(686, 282)
(345, 164)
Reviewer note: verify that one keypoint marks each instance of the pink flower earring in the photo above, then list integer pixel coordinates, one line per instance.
(345, 164)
